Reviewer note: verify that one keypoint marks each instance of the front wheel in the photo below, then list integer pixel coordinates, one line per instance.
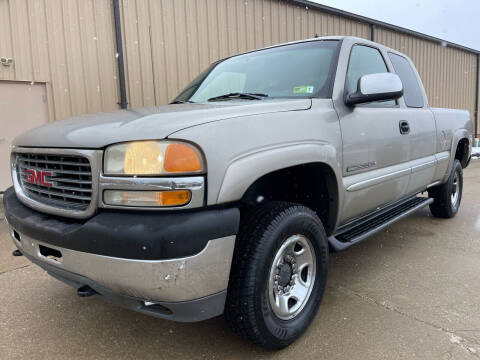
(278, 274)
(447, 197)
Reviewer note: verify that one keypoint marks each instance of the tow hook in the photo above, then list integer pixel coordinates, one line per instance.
(86, 291)
(17, 253)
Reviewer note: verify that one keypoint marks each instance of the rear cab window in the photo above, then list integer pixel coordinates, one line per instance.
(412, 94)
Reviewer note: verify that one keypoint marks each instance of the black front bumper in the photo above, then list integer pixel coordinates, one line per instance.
(129, 235)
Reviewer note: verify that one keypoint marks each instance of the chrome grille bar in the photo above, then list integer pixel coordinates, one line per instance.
(58, 181)
(59, 194)
(75, 168)
(30, 162)
(58, 170)
(64, 180)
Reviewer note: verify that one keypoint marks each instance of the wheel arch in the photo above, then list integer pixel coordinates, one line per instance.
(460, 139)
(311, 184)
(246, 173)
(462, 151)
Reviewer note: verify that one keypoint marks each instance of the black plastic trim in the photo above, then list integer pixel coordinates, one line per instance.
(361, 229)
(122, 234)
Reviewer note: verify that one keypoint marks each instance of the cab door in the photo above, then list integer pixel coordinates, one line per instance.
(421, 123)
(376, 152)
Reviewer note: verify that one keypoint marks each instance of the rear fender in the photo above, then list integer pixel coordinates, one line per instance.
(457, 136)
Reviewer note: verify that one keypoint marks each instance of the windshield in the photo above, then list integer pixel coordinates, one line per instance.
(298, 70)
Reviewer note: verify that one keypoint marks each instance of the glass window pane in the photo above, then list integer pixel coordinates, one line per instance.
(365, 60)
(297, 70)
(411, 90)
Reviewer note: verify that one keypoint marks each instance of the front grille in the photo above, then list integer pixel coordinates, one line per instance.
(69, 186)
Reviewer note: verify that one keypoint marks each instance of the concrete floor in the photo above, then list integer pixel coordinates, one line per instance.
(410, 292)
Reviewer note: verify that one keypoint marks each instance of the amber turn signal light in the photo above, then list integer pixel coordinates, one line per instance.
(147, 198)
(181, 158)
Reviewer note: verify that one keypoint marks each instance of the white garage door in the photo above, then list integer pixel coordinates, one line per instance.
(22, 106)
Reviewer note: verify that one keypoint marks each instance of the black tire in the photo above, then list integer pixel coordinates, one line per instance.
(443, 205)
(248, 309)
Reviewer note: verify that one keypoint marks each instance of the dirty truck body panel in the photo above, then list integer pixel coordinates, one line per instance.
(82, 205)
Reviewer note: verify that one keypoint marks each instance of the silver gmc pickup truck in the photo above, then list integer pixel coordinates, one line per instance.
(229, 199)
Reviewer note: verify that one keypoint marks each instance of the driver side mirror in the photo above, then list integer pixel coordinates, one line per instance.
(376, 87)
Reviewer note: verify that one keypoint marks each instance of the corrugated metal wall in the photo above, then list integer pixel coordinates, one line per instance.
(70, 45)
(448, 74)
(168, 43)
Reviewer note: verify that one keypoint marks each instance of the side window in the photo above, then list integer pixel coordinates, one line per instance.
(411, 90)
(364, 60)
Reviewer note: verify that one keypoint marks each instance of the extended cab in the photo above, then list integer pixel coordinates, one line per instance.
(229, 199)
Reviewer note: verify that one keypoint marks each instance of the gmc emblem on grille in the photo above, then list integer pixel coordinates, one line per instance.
(38, 177)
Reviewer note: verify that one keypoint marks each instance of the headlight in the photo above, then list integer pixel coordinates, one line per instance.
(147, 158)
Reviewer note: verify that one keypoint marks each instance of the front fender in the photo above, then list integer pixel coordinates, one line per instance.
(245, 170)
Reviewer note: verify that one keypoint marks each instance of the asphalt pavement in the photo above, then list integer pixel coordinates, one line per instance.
(410, 292)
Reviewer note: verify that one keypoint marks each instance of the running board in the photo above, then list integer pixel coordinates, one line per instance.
(353, 233)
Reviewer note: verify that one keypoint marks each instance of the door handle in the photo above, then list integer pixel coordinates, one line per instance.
(404, 127)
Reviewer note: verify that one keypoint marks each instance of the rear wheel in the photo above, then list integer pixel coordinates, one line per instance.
(447, 197)
(278, 275)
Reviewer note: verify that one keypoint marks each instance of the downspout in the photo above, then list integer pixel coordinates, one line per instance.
(372, 32)
(121, 65)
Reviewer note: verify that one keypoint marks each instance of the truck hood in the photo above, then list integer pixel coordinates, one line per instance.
(99, 130)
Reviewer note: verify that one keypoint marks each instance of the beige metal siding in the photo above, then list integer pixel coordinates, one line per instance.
(68, 44)
(23, 106)
(448, 74)
(167, 43)
(477, 128)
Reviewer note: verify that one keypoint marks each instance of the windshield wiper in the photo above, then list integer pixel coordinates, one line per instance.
(182, 102)
(237, 95)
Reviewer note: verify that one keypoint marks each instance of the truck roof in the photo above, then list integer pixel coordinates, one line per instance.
(352, 38)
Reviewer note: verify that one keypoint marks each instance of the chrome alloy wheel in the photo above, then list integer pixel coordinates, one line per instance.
(455, 190)
(292, 277)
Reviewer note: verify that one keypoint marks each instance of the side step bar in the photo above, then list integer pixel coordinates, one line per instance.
(359, 230)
